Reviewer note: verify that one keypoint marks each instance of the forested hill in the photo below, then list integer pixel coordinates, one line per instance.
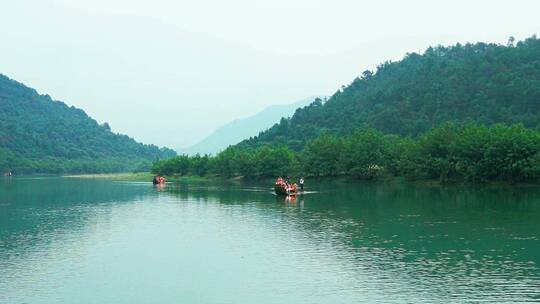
(481, 83)
(38, 134)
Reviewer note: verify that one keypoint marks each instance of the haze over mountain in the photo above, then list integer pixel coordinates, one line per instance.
(482, 83)
(150, 66)
(42, 135)
(243, 128)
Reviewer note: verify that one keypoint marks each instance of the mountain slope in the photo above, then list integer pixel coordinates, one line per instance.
(237, 130)
(38, 134)
(483, 83)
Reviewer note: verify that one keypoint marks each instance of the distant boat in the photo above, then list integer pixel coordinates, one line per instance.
(284, 189)
(158, 180)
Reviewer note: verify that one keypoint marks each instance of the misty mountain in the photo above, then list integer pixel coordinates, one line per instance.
(240, 129)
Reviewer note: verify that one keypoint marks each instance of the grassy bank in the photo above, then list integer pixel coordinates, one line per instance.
(140, 177)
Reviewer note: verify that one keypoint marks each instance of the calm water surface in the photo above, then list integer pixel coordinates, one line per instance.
(92, 241)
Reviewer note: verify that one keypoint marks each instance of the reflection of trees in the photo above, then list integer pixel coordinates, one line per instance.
(427, 221)
(410, 231)
(32, 208)
(438, 239)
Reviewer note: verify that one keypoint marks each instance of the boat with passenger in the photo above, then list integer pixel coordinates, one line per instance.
(282, 187)
(158, 180)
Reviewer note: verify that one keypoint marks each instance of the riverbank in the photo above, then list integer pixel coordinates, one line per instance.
(139, 177)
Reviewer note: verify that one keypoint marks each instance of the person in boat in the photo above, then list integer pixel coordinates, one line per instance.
(291, 188)
(158, 180)
(280, 183)
(301, 184)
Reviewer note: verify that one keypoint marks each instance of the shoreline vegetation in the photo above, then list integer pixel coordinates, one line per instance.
(134, 176)
(449, 153)
(144, 177)
(138, 177)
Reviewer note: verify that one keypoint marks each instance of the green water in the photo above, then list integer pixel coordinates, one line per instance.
(94, 241)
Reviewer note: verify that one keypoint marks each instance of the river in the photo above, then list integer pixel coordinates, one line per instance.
(65, 240)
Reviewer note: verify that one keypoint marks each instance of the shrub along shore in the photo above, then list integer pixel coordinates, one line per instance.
(451, 152)
(139, 177)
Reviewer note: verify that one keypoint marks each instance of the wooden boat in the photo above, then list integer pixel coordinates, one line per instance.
(158, 180)
(281, 189)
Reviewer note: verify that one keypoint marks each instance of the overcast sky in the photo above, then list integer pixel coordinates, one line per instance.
(170, 72)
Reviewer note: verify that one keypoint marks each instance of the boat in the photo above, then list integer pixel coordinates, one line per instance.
(158, 180)
(282, 188)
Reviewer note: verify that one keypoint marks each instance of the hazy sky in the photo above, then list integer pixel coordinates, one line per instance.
(170, 72)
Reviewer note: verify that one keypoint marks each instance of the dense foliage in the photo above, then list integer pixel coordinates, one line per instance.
(482, 83)
(466, 112)
(41, 135)
(449, 152)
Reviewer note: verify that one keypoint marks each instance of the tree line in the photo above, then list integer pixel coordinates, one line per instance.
(452, 151)
(11, 162)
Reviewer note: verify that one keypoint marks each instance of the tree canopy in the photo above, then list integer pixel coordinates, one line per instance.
(465, 112)
(481, 83)
(448, 152)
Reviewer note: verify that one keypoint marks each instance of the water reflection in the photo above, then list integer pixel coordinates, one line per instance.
(450, 241)
(33, 209)
(339, 243)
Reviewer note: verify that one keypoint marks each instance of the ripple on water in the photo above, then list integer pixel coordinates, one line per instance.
(216, 244)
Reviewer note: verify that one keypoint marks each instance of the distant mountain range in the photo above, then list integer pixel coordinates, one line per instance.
(42, 135)
(241, 129)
